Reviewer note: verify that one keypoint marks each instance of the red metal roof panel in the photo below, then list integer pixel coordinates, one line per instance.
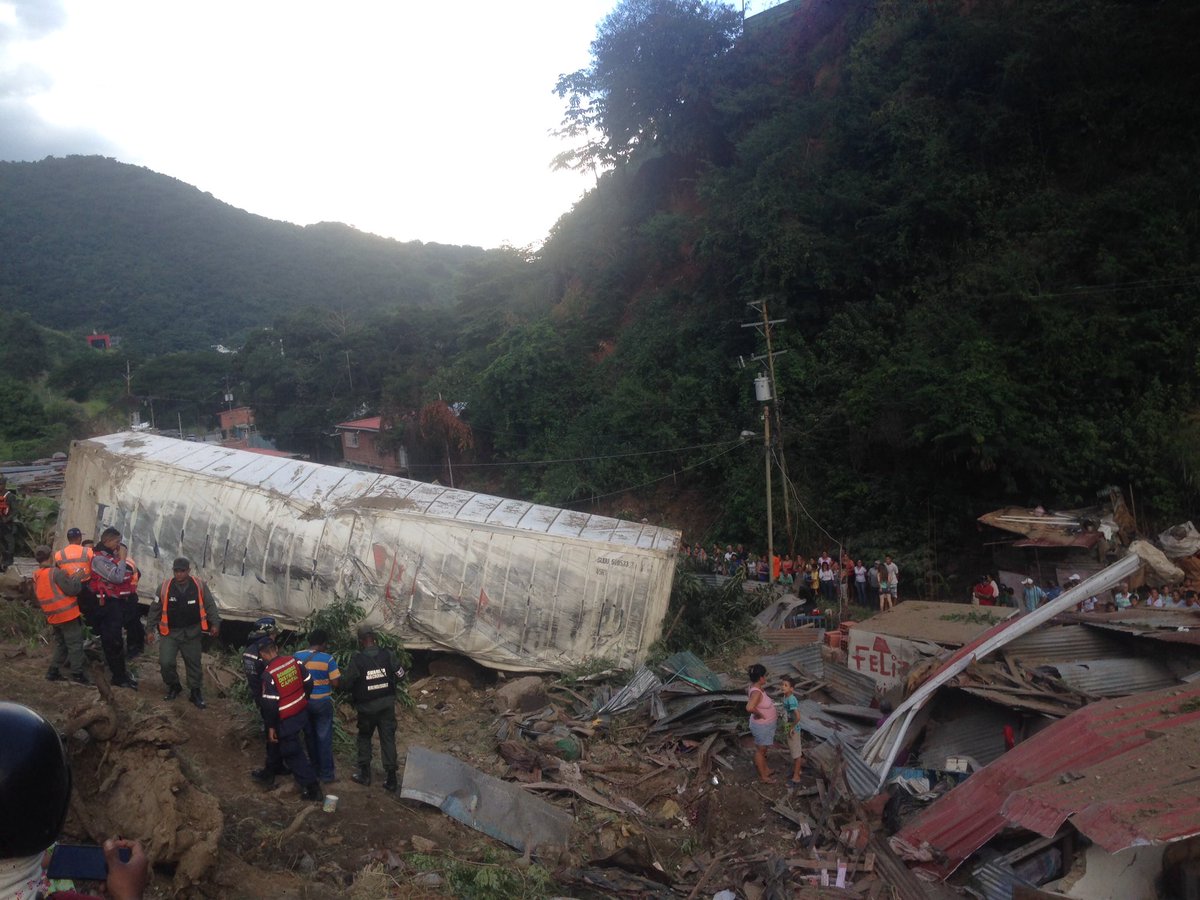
(1120, 730)
(372, 423)
(1086, 540)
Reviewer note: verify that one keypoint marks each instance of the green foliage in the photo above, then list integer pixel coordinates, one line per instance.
(709, 621)
(340, 619)
(647, 84)
(486, 879)
(977, 221)
(37, 518)
(21, 623)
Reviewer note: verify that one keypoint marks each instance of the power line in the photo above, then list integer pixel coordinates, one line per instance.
(634, 487)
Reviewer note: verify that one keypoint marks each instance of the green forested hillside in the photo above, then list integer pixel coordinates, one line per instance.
(91, 243)
(980, 222)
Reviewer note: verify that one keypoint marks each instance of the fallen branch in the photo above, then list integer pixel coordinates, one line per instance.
(296, 823)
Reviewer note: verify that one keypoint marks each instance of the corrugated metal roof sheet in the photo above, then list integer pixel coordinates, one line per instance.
(806, 658)
(979, 734)
(1115, 677)
(1086, 540)
(849, 686)
(1068, 643)
(370, 423)
(971, 814)
(1147, 795)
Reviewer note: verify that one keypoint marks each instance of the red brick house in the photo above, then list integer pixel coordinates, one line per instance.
(236, 423)
(360, 447)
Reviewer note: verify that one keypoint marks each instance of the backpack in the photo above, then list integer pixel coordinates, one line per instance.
(71, 585)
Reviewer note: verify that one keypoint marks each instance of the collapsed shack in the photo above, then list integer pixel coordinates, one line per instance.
(1119, 774)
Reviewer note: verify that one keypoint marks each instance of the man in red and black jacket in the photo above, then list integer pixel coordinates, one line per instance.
(286, 686)
(111, 582)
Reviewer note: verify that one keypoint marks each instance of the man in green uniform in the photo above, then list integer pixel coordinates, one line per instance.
(183, 611)
(371, 680)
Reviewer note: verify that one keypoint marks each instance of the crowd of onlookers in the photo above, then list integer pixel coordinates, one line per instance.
(809, 577)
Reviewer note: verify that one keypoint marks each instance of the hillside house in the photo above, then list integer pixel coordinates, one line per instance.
(361, 447)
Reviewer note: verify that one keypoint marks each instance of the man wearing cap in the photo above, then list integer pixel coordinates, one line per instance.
(371, 679)
(8, 525)
(184, 611)
(76, 559)
(286, 686)
(56, 594)
(1032, 596)
(253, 667)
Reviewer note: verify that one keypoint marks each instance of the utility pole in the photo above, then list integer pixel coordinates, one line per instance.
(764, 392)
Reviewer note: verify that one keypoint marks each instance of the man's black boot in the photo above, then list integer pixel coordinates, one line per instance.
(311, 792)
(362, 776)
(197, 700)
(389, 783)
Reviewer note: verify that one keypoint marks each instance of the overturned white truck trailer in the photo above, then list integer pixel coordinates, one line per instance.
(510, 584)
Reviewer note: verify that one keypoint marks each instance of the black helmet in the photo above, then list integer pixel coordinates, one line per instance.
(35, 782)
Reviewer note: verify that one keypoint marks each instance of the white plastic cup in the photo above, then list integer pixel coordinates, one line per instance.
(331, 801)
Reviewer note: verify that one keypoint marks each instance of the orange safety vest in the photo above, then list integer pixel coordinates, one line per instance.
(57, 606)
(75, 558)
(136, 574)
(164, 594)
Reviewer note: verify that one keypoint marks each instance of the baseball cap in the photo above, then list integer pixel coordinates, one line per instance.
(364, 630)
(73, 533)
(1027, 581)
(1074, 578)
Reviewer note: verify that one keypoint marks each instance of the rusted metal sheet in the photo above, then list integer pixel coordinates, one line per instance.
(511, 584)
(1125, 731)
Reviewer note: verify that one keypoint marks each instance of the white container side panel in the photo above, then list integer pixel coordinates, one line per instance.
(441, 569)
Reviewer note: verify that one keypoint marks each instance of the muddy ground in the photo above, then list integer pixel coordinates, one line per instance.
(177, 778)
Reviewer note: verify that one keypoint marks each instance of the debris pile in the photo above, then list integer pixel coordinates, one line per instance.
(979, 781)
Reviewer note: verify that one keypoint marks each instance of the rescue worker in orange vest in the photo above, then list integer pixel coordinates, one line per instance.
(112, 579)
(8, 525)
(183, 612)
(76, 559)
(51, 586)
(286, 686)
(131, 615)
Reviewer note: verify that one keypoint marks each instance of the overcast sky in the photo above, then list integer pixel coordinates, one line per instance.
(414, 120)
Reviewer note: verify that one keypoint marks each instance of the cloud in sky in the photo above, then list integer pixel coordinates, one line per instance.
(23, 133)
(416, 121)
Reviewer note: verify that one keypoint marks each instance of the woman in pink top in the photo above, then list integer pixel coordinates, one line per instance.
(763, 716)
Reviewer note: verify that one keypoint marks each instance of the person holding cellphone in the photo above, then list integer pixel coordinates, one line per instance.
(35, 786)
